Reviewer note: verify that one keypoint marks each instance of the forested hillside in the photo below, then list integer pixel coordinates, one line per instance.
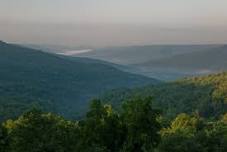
(205, 95)
(161, 117)
(59, 84)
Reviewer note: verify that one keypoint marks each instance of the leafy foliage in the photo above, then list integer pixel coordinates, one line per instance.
(190, 133)
(39, 132)
(142, 125)
(103, 130)
(136, 128)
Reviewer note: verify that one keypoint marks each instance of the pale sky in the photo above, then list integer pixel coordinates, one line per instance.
(113, 22)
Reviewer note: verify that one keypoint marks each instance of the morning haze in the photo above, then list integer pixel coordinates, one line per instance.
(113, 22)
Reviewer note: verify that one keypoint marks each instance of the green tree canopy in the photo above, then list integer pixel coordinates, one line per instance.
(35, 131)
(141, 124)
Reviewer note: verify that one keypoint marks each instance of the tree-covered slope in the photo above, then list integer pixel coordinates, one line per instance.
(205, 95)
(31, 77)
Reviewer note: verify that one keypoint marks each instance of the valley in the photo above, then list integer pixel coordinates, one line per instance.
(71, 102)
(165, 62)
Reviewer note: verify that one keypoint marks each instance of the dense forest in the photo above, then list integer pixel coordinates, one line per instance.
(137, 127)
(206, 95)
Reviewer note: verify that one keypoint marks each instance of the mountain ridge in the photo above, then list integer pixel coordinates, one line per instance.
(155, 60)
(211, 59)
(66, 84)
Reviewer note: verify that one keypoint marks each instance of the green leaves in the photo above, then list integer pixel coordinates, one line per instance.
(141, 125)
(191, 133)
(136, 128)
(41, 132)
(102, 128)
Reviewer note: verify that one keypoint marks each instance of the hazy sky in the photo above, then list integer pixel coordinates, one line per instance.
(113, 22)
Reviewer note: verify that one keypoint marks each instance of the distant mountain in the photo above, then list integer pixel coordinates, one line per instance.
(139, 54)
(207, 60)
(61, 84)
(167, 62)
(206, 96)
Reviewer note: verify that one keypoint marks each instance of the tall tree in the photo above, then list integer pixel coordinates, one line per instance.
(101, 130)
(141, 125)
